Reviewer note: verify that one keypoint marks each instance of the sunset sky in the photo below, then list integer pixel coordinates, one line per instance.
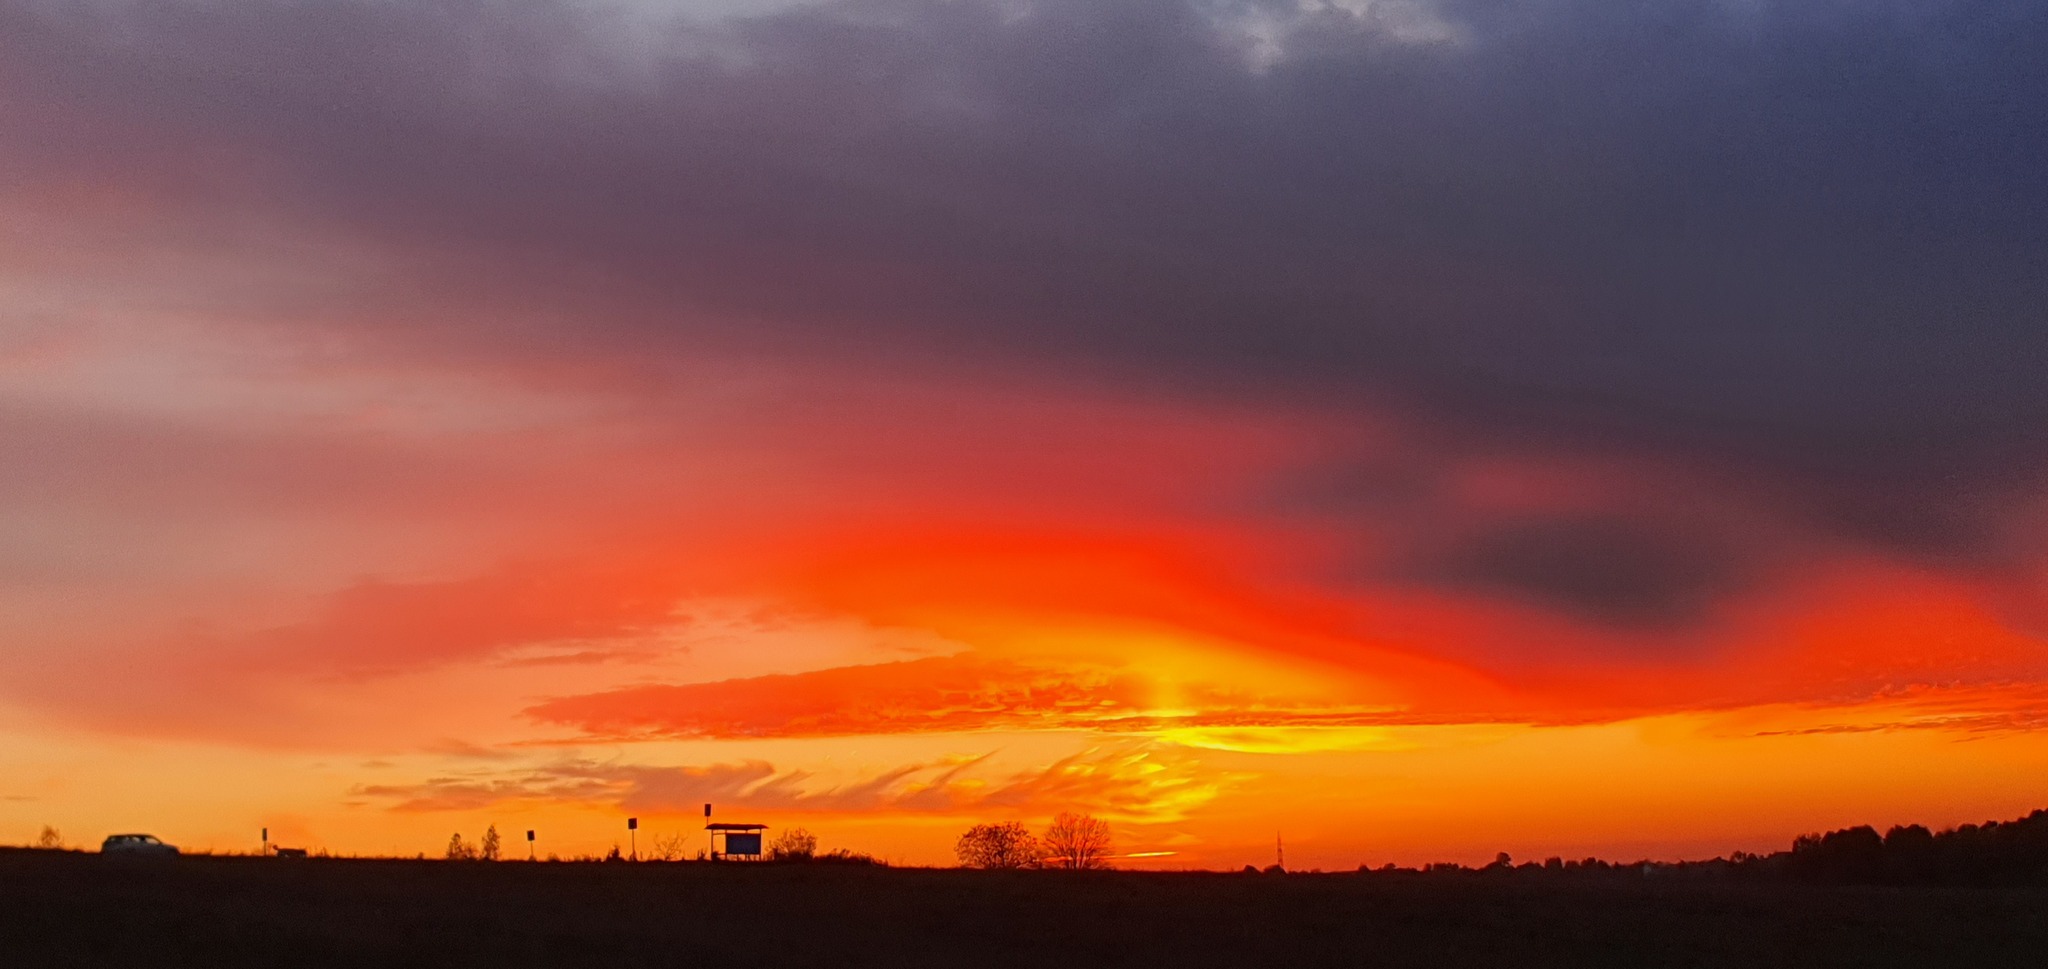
(1413, 428)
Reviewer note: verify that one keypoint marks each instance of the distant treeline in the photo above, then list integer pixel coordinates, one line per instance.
(2002, 853)
(1993, 853)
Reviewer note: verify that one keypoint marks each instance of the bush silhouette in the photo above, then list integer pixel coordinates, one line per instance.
(794, 844)
(841, 856)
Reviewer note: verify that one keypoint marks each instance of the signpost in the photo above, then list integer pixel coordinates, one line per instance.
(633, 831)
(529, 844)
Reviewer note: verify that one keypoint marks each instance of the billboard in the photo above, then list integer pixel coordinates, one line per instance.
(737, 843)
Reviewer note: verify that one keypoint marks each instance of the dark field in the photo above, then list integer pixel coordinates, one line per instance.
(69, 909)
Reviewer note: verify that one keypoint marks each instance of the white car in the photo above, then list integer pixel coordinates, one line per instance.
(136, 844)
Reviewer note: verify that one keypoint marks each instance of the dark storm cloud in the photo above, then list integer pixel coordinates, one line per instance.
(1643, 550)
(1802, 243)
(1606, 569)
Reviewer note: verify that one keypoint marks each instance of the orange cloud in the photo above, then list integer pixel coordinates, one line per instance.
(952, 694)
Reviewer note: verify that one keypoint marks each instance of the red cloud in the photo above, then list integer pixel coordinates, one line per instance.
(926, 695)
(939, 694)
(375, 626)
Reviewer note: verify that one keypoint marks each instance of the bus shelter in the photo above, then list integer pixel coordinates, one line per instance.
(729, 840)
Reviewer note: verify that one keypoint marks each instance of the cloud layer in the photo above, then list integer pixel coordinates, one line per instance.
(1565, 348)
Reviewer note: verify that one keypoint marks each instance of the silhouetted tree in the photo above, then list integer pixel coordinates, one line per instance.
(1911, 837)
(460, 850)
(1852, 854)
(487, 849)
(1004, 845)
(50, 839)
(1077, 841)
(794, 844)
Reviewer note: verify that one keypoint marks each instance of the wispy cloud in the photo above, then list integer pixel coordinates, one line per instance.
(464, 750)
(1139, 781)
(1963, 712)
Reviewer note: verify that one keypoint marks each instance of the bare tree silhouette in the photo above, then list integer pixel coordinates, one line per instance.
(50, 839)
(1077, 841)
(487, 849)
(1004, 845)
(668, 847)
(460, 850)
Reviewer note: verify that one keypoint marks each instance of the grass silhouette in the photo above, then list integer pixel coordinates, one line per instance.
(79, 909)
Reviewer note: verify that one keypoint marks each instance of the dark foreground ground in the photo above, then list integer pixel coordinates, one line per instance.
(69, 909)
